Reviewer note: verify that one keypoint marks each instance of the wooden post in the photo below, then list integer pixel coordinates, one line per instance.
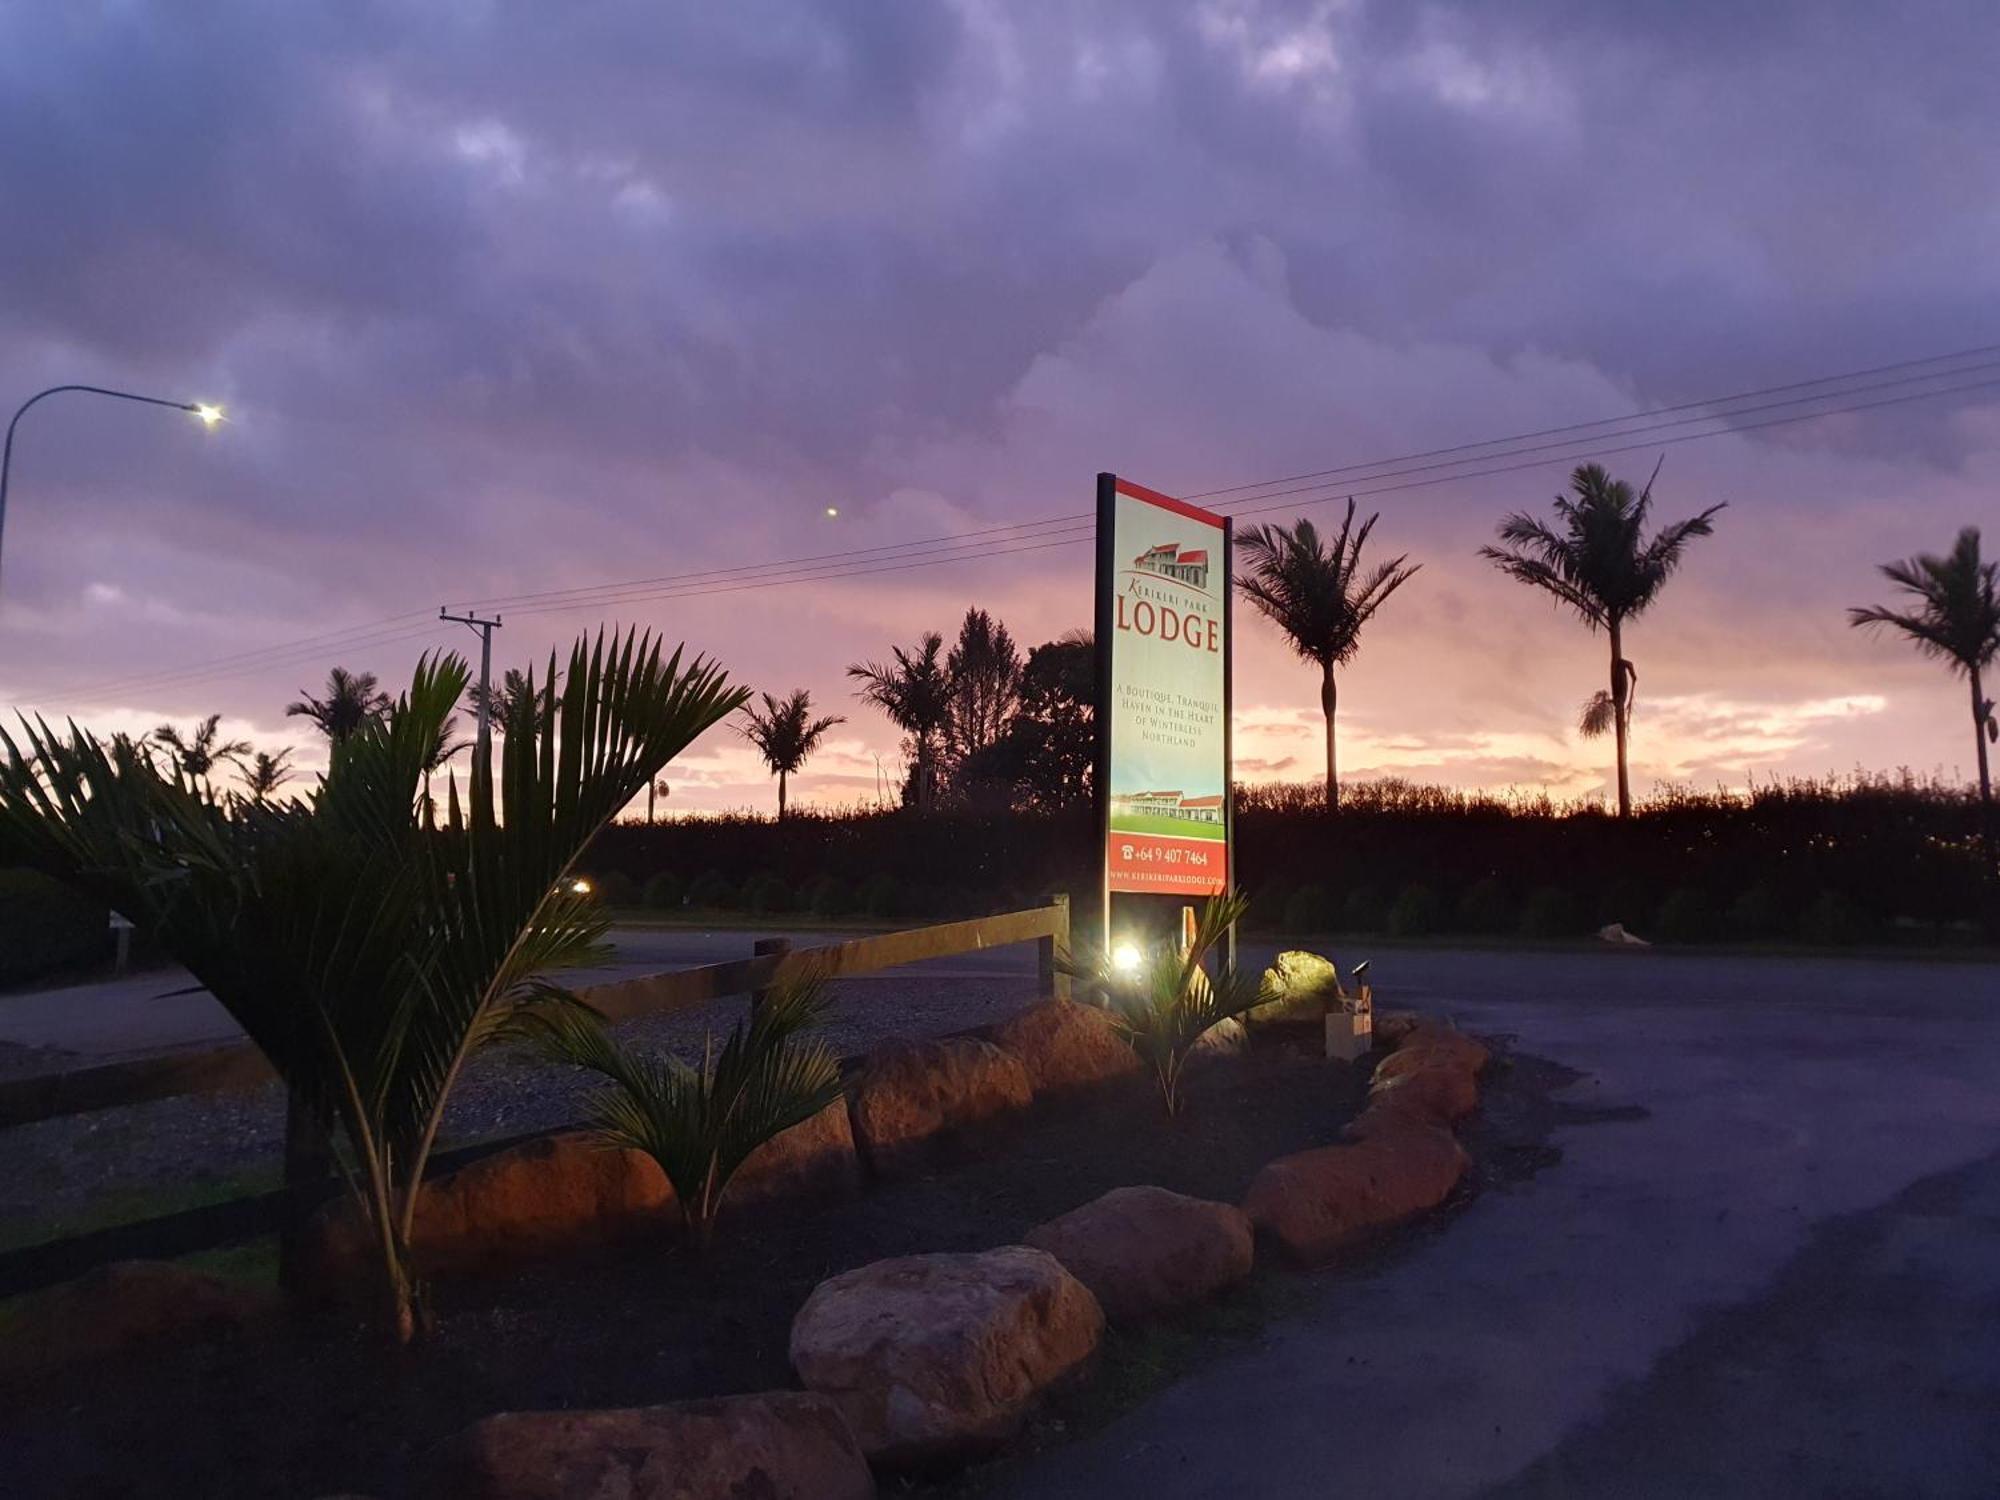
(1056, 941)
(759, 949)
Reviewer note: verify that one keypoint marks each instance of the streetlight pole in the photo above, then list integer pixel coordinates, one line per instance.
(209, 415)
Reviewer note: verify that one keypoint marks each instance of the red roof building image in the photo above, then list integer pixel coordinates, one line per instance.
(1169, 561)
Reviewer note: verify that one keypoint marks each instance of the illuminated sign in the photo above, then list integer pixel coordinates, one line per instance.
(1163, 692)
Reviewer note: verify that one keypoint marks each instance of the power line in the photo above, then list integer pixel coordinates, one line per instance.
(1065, 530)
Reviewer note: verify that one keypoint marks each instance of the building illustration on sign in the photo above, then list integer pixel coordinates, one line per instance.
(1169, 561)
(1173, 805)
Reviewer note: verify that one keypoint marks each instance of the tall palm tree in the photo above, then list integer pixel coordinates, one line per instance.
(1320, 597)
(914, 690)
(785, 734)
(196, 753)
(654, 792)
(264, 773)
(1602, 566)
(352, 699)
(1956, 621)
(363, 954)
(514, 686)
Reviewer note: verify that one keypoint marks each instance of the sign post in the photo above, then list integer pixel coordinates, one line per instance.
(1166, 815)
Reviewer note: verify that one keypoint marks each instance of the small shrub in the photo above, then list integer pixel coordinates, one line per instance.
(1486, 907)
(826, 896)
(46, 927)
(614, 888)
(1757, 913)
(1309, 909)
(1415, 913)
(1830, 920)
(1625, 901)
(766, 894)
(1550, 912)
(881, 896)
(1363, 911)
(711, 890)
(664, 891)
(1685, 917)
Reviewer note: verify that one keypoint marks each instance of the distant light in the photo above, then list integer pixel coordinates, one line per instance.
(209, 415)
(579, 887)
(1125, 958)
(833, 510)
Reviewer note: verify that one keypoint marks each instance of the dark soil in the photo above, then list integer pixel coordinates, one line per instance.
(320, 1408)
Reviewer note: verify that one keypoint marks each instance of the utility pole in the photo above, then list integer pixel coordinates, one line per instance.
(485, 629)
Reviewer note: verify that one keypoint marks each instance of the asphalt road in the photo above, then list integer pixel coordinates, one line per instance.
(1783, 1280)
(163, 1008)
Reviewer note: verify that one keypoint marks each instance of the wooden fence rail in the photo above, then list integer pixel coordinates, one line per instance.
(209, 1069)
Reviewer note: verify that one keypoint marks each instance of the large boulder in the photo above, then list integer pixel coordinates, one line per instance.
(1428, 1042)
(1065, 1045)
(551, 1193)
(1317, 1203)
(118, 1307)
(1144, 1249)
(1441, 1092)
(936, 1357)
(782, 1446)
(815, 1159)
(911, 1092)
(1304, 987)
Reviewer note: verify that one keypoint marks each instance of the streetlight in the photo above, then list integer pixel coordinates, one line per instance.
(207, 414)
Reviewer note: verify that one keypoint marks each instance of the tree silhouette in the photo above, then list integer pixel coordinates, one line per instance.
(264, 773)
(985, 671)
(785, 734)
(196, 753)
(352, 700)
(1320, 597)
(1957, 621)
(914, 690)
(1602, 566)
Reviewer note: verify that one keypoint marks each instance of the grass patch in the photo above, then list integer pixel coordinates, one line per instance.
(135, 1205)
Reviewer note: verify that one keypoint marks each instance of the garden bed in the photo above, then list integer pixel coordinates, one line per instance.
(323, 1408)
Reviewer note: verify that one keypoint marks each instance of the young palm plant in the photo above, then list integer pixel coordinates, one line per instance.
(785, 734)
(263, 773)
(914, 690)
(1602, 566)
(1320, 597)
(1166, 1001)
(365, 954)
(1957, 621)
(701, 1124)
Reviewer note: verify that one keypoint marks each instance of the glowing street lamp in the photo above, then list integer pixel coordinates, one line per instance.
(207, 414)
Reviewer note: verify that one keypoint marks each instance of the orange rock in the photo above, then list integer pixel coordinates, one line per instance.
(815, 1158)
(546, 1194)
(936, 1357)
(1066, 1045)
(781, 1446)
(1316, 1203)
(1442, 1091)
(1142, 1249)
(910, 1092)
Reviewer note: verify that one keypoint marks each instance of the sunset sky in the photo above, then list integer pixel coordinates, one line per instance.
(506, 299)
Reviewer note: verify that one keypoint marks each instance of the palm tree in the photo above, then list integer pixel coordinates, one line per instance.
(351, 700)
(657, 790)
(1320, 597)
(785, 734)
(514, 686)
(915, 692)
(195, 754)
(1958, 622)
(265, 773)
(1602, 567)
(366, 956)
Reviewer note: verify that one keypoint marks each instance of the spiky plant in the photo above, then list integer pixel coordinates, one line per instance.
(702, 1123)
(1166, 1002)
(366, 954)
(914, 690)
